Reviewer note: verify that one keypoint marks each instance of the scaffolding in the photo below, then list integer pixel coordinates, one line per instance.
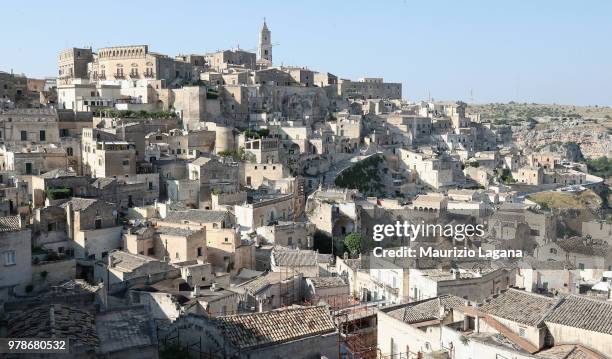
(356, 332)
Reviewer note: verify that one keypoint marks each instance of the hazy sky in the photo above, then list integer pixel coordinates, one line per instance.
(528, 51)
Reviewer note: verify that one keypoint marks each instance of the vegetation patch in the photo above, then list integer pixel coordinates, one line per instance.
(110, 112)
(363, 176)
(58, 193)
(601, 167)
(564, 200)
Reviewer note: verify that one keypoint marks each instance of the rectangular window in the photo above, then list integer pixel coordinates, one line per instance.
(9, 258)
(199, 251)
(43, 135)
(24, 136)
(28, 168)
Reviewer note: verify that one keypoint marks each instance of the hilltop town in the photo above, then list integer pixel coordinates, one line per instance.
(218, 205)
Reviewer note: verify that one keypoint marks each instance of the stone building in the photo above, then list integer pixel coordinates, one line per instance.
(213, 176)
(584, 321)
(137, 62)
(177, 244)
(183, 144)
(106, 155)
(43, 186)
(35, 160)
(73, 64)
(225, 249)
(13, 87)
(271, 290)
(15, 258)
(296, 332)
(411, 330)
(264, 150)
(124, 266)
(28, 126)
(92, 227)
(591, 257)
(84, 96)
(288, 234)
(529, 175)
(323, 79)
(264, 210)
(472, 281)
(190, 103)
(307, 262)
(369, 88)
(222, 60)
(330, 290)
(433, 170)
(300, 75)
(254, 174)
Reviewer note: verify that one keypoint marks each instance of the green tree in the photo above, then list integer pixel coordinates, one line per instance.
(354, 242)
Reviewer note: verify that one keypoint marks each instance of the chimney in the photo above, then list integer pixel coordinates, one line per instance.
(260, 305)
(455, 273)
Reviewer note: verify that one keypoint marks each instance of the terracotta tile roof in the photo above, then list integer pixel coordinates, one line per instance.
(55, 320)
(123, 329)
(569, 351)
(426, 310)
(292, 258)
(327, 282)
(582, 246)
(79, 204)
(173, 231)
(9, 224)
(277, 326)
(58, 173)
(519, 306)
(201, 161)
(255, 285)
(584, 313)
(195, 216)
(128, 262)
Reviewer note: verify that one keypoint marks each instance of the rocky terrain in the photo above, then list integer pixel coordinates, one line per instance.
(571, 130)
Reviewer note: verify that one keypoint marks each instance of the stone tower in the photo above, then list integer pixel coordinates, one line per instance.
(264, 51)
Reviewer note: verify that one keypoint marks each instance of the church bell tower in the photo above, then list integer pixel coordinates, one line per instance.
(264, 51)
